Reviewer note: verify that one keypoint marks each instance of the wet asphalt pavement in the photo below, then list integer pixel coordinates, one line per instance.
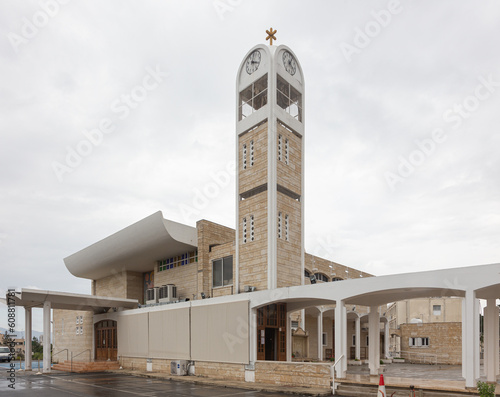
(110, 384)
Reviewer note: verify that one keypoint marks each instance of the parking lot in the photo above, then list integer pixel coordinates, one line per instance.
(111, 384)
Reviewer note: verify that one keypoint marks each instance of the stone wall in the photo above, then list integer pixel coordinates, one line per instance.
(209, 235)
(289, 251)
(219, 252)
(293, 374)
(277, 373)
(445, 340)
(65, 336)
(183, 277)
(253, 254)
(337, 270)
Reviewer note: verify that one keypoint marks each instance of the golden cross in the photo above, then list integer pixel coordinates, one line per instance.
(271, 35)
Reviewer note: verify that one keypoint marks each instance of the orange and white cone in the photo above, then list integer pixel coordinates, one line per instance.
(381, 387)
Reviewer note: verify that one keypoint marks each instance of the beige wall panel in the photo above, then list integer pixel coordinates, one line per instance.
(133, 335)
(220, 333)
(169, 334)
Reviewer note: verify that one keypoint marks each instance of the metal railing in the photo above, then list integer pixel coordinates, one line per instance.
(332, 370)
(72, 357)
(67, 354)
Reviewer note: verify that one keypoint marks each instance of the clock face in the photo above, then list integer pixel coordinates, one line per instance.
(253, 62)
(289, 63)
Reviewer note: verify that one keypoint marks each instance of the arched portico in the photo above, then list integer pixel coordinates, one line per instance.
(471, 283)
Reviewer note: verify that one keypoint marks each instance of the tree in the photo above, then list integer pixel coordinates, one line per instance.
(36, 347)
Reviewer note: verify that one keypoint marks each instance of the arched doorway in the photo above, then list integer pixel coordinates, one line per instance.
(106, 343)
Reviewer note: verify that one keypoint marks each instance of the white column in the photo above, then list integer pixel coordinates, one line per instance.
(387, 334)
(374, 340)
(27, 337)
(464, 337)
(470, 344)
(358, 338)
(343, 311)
(491, 340)
(289, 341)
(46, 337)
(252, 334)
(303, 319)
(320, 334)
(340, 339)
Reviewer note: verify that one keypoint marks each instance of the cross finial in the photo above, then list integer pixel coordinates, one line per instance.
(271, 35)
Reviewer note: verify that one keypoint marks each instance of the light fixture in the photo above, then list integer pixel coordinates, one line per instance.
(203, 296)
(312, 278)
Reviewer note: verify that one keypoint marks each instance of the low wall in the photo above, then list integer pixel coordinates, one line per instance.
(293, 374)
(267, 372)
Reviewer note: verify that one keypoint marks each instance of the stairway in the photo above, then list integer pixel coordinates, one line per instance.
(359, 390)
(82, 366)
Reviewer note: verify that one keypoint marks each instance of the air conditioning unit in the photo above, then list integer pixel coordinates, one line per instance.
(168, 293)
(152, 295)
(250, 288)
(178, 367)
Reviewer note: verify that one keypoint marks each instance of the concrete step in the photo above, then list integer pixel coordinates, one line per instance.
(359, 390)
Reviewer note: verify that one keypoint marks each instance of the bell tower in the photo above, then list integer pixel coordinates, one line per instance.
(270, 169)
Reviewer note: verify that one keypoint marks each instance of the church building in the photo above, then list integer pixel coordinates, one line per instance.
(247, 303)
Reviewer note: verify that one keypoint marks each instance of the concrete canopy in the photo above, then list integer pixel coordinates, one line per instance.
(30, 298)
(135, 248)
(377, 291)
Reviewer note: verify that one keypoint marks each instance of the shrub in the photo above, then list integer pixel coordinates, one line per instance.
(486, 389)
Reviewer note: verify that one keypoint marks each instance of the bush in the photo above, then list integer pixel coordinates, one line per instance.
(486, 389)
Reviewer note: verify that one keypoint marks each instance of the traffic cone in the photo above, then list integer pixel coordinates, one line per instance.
(381, 387)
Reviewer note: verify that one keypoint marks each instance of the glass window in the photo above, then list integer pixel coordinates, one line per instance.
(436, 310)
(217, 273)
(321, 277)
(289, 98)
(222, 272)
(253, 97)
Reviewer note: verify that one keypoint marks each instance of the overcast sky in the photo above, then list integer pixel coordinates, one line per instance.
(402, 126)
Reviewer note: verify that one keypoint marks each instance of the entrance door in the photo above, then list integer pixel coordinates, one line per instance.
(106, 343)
(271, 345)
(271, 332)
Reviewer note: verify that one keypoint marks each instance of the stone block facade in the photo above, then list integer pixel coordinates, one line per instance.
(293, 374)
(73, 330)
(445, 341)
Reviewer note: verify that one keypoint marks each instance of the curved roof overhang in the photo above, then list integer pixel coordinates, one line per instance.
(135, 248)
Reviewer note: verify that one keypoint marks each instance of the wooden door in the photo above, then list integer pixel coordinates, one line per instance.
(106, 343)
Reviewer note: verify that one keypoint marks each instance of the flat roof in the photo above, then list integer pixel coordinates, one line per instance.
(136, 248)
(32, 298)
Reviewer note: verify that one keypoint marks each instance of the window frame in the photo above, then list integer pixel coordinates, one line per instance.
(224, 265)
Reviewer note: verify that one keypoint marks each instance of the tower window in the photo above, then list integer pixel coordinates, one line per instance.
(251, 154)
(286, 151)
(289, 98)
(286, 228)
(279, 225)
(244, 156)
(244, 230)
(280, 147)
(252, 230)
(253, 98)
